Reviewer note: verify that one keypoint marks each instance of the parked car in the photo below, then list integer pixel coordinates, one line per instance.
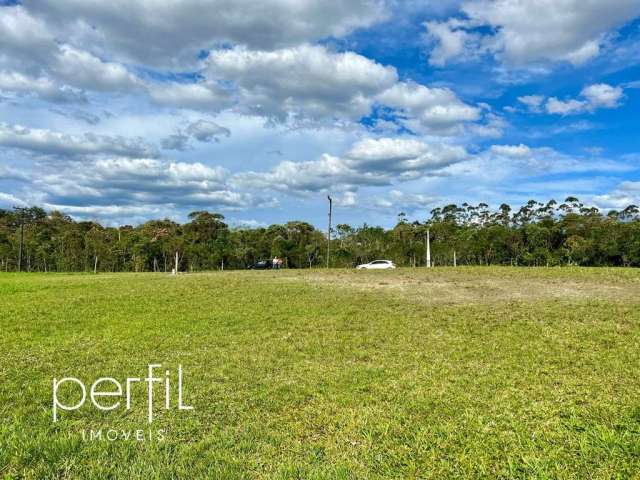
(377, 265)
(261, 265)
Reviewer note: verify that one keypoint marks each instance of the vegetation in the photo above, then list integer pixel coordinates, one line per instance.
(482, 373)
(535, 234)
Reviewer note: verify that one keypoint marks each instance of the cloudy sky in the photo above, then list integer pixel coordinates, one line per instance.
(126, 110)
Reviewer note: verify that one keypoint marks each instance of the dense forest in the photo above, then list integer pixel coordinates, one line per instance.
(536, 234)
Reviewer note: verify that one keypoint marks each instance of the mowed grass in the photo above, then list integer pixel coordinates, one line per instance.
(430, 374)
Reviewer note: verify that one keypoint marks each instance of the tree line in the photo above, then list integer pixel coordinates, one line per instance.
(535, 234)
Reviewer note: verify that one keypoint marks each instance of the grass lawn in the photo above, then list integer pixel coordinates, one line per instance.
(430, 374)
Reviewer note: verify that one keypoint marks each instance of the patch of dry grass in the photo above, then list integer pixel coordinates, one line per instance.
(465, 285)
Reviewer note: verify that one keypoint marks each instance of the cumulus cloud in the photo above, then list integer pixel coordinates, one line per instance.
(517, 151)
(299, 84)
(450, 42)
(527, 31)
(592, 97)
(566, 107)
(84, 70)
(602, 95)
(304, 82)
(429, 110)
(146, 182)
(32, 57)
(48, 142)
(595, 96)
(172, 34)
(310, 85)
(310, 176)
(368, 162)
(347, 199)
(407, 157)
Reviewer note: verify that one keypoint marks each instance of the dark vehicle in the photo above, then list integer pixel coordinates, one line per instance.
(261, 265)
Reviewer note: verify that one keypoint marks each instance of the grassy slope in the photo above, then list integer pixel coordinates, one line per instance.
(332, 375)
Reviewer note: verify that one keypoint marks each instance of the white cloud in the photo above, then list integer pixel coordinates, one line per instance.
(430, 110)
(511, 150)
(406, 201)
(304, 82)
(602, 95)
(567, 107)
(31, 53)
(43, 87)
(108, 184)
(298, 85)
(528, 31)
(368, 162)
(347, 199)
(84, 70)
(310, 176)
(23, 36)
(8, 200)
(534, 102)
(310, 85)
(595, 96)
(625, 194)
(172, 34)
(493, 127)
(386, 149)
(48, 142)
(450, 41)
(198, 96)
(405, 156)
(592, 97)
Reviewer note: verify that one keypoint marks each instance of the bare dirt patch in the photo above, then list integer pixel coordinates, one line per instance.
(479, 285)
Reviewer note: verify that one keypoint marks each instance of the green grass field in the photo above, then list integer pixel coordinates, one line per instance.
(431, 374)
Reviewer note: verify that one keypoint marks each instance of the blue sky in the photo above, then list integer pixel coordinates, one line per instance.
(124, 111)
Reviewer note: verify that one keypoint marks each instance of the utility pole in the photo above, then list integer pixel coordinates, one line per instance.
(428, 250)
(329, 229)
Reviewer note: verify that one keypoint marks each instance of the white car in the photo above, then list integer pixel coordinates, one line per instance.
(377, 265)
